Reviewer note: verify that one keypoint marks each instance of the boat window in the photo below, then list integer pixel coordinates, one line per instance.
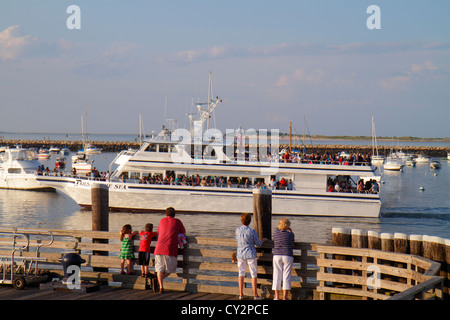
(134, 175)
(163, 148)
(151, 148)
(14, 170)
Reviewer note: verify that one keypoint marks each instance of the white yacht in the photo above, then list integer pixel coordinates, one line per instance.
(81, 162)
(44, 154)
(422, 159)
(194, 172)
(393, 163)
(89, 148)
(18, 169)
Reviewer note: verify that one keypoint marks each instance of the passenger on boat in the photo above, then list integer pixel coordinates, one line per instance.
(360, 186)
(374, 188)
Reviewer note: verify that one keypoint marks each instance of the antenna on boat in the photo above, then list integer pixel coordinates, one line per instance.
(205, 114)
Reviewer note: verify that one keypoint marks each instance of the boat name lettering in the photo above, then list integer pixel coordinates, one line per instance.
(82, 183)
(117, 186)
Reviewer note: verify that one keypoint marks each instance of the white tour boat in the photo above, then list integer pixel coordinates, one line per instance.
(18, 169)
(195, 173)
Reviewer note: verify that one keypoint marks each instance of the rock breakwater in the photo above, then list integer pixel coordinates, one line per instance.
(117, 146)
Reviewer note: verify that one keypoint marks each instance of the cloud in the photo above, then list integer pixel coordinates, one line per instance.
(282, 81)
(426, 70)
(301, 76)
(198, 55)
(117, 59)
(12, 45)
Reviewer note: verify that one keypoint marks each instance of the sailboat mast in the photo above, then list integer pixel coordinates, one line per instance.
(290, 136)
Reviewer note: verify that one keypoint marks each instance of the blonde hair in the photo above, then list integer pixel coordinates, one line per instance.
(284, 224)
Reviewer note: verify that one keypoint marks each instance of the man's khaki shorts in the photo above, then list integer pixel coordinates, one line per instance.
(165, 263)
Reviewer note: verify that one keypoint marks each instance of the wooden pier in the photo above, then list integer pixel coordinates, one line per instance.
(205, 271)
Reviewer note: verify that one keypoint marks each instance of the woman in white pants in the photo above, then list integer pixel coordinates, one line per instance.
(283, 257)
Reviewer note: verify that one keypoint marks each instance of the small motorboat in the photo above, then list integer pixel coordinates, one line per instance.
(91, 149)
(81, 162)
(410, 162)
(435, 164)
(422, 159)
(65, 151)
(44, 154)
(393, 164)
(54, 150)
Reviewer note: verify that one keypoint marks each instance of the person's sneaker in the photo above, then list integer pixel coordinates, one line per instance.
(257, 298)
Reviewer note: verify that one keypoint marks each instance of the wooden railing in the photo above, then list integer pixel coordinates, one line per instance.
(205, 266)
(376, 274)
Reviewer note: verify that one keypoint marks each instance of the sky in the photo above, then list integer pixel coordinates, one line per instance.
(272, 63)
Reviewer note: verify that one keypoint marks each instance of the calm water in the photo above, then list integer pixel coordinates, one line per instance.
(405, 209)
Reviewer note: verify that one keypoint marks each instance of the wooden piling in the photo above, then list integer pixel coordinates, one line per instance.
(426, 247)
(437, 249)
(373, 240)
(447, 268)
(100, 215)
(359, 238)
(262, 212)
(415, 244)
(387, 242)
(341, 237)
(401, 243)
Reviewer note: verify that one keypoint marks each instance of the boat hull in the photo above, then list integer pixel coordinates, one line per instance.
(22, 182)
(133, 197)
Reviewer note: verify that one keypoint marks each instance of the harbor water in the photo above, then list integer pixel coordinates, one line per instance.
(415, 201)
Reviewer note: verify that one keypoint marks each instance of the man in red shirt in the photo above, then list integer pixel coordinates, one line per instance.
(166, 249)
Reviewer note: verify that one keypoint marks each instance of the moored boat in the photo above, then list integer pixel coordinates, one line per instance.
(435, 164)
(422, 159)
(18, 170)
(194, 172)
(81, 162)
(393, 163)
(44, 153)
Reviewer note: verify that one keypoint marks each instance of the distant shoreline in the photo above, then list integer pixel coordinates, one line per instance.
(366, 138)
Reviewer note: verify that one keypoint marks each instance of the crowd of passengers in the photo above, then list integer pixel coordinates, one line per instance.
(325, 158)
(209, 181)
(340, 184)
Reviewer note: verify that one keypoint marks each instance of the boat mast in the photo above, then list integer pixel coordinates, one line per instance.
(374, 138)
(290, 136)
